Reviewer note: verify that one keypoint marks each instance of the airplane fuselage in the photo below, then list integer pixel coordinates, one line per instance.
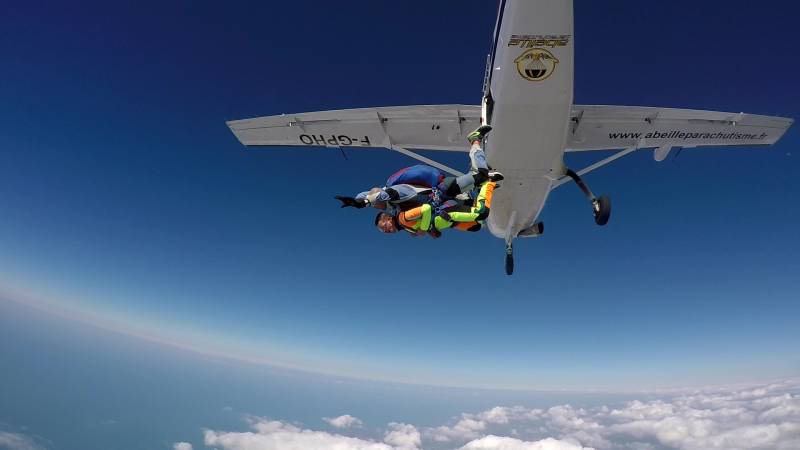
(531, 85)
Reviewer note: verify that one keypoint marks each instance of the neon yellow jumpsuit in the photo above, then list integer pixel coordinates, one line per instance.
(421, 219)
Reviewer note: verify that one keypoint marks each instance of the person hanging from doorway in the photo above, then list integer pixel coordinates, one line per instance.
(421, 184)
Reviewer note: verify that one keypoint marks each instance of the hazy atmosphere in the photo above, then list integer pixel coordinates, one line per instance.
(164, 287)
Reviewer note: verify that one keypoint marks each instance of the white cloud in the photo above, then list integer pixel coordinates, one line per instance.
(17, 441)
(403, 436)
(747, 417)
(763, 417)
(567, 417)
(181, 446)
(466, 428)
(470, 426)
(492, 442)
(755, 417)
(276, 435)
(345, 421)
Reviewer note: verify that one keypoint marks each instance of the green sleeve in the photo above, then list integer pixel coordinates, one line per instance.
(459, 216)
(425, 221)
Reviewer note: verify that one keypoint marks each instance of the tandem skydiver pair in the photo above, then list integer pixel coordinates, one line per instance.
(421, 200)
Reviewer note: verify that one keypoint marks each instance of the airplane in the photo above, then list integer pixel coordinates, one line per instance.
(527, 99)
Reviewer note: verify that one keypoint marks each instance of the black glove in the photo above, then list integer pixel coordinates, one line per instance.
(350, 201)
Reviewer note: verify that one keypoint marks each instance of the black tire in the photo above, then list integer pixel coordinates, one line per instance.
(601, 217)
(509, 264)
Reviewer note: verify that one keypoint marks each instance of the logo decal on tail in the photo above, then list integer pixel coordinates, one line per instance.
(536, 64)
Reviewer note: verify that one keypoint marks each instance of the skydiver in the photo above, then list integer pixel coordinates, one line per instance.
(430, 186)
(425, 219)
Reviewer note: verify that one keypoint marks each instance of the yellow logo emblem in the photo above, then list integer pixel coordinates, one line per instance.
(536, 64)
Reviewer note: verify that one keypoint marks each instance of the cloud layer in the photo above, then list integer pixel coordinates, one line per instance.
(761, 417)
(273, 435)
(276, 435)
(756, 417)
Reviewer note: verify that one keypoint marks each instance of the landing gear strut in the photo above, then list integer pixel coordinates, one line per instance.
(601, 206)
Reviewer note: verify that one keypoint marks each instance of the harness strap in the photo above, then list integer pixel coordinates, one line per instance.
(444, 207)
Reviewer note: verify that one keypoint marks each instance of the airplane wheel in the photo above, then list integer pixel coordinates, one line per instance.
(509, 261)
(602, 210)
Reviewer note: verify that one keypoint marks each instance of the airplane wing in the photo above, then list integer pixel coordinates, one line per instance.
(600, 127)
(629, 128)
(445, 127)
(429, 127)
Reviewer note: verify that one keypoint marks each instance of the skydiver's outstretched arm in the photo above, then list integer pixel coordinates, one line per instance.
(351, 201)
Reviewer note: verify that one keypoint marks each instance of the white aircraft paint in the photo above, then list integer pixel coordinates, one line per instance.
(529, 117)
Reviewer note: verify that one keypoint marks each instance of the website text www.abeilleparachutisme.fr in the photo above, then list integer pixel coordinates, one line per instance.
(687, 135)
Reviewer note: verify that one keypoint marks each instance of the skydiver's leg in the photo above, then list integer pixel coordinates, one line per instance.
(459, 220)
(484, 200)
(467, 226)
(479, 210)
(478, 174)
(452, 186)
(477, 158)
(479, 169)
(460, 214)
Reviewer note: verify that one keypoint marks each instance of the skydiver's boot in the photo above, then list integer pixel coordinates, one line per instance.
(495, 175)
(479, 134)
(483, 175)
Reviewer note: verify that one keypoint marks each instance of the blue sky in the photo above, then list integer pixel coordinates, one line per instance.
(128, 203)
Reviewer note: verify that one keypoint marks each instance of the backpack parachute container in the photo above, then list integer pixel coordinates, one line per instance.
(418, 175)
